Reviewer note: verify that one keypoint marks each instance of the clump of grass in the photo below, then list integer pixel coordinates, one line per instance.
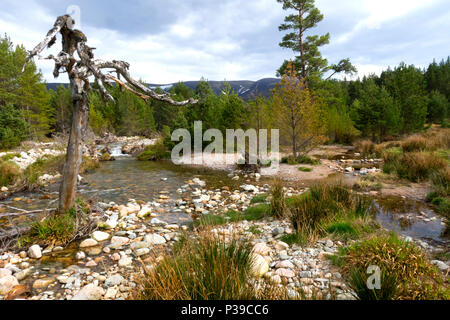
(10, 173)
(154, 152)
(202, 269)
(400, 261)
(89, 164)
(366, 148)
(304, 169)
(60, 228)
(367, 183)
(295, 238)
(277, 201)
(259, 199)
(313, 212)
(417, 143)
(387, 290)
(419, 166)
(413, 166)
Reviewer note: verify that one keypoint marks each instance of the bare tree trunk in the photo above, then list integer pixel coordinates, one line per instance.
(74, 156)
(79, 71)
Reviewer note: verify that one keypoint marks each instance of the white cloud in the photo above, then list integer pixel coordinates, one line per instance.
(233, 39)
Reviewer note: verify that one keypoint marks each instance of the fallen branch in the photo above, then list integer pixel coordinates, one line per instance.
(24, 212)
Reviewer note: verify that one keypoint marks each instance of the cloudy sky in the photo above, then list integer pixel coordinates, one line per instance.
(178, 40)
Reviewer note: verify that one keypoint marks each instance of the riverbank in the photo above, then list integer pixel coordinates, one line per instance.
(129, 237)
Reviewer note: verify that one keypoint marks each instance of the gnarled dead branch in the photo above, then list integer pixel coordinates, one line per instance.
(79, 69)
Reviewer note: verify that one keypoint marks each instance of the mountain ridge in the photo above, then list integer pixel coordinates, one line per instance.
(246, 89)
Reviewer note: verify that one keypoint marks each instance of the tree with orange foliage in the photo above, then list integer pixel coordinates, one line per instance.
(298, 114)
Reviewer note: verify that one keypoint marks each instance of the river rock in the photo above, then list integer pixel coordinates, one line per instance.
(261, 249)
(277, 231)
(90, 292)
(260, 266)
(144, 212)
(23, 274)
(286, 264)
(441, 265)
(142, 251)
(250, 188)
(114, 280)
(100, 236)
(158, 223)
(285, 273)
(43, 283)
(88, 243)
(119, 241)
(35, 252)
(139, 245)
(7, 283)
(125, 261)
(5, 272)
(155, 239)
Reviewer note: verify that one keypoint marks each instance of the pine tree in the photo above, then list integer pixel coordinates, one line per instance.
(376, 112)
(309, 62)
(26, 91)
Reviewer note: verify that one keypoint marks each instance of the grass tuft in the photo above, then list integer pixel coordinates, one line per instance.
(202, 269)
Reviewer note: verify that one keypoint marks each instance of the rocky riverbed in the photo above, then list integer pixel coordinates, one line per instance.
(106, 265)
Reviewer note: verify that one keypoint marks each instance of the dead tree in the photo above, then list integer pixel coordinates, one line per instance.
(79, 68)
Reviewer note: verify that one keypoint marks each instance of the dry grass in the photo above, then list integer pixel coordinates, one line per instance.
(418, 166)
(277, 201)
(417, 143)
(204, 268)
(10, 173)
(365, 147)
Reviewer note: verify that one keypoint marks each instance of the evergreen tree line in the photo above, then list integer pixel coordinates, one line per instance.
(399, 101)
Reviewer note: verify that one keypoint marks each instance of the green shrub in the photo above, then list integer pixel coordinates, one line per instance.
(304, 169)
(60, 228)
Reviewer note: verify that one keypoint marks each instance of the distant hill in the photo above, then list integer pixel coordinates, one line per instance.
(244, 88)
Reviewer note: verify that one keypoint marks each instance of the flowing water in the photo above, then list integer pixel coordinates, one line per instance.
(127, 178)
